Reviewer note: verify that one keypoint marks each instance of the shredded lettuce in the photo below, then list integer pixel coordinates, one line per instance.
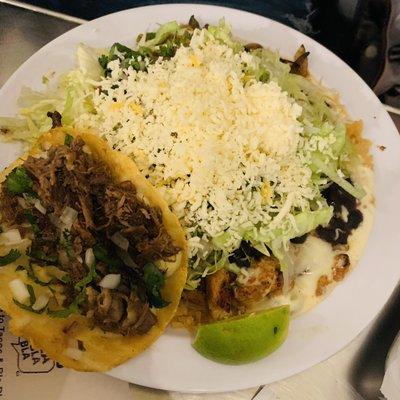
(165, 30)
(331, 172)
(71, 97)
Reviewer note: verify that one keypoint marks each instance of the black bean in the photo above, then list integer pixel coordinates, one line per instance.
(337, 197)
(354, 219)
(241, 256)
(327, 234)
(299, 239)
(250, 251)
(337, 223)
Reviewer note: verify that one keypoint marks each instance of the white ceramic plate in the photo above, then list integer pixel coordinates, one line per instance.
(172, 363)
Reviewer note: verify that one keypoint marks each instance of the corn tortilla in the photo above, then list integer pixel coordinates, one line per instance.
(53, 335)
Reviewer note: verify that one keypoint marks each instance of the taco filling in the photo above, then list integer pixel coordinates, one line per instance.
(89, 242)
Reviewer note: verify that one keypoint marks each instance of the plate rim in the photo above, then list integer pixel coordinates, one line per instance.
(222, 10)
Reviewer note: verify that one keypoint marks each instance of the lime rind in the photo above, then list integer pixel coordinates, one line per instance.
(244, 340)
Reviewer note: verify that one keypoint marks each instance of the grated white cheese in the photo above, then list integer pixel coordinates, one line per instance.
(222, 148)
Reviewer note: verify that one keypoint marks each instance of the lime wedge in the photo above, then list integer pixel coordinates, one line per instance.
(243, 340)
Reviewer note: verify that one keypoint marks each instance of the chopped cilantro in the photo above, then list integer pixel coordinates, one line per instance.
(154, 280)
(66, 242)
(68, 140)
(28, 308)
(31, 275)
(103, 61)
(18, 181)
(101, 254)
(168, 50)
(40, 255)
(32, 297)
(65, 278)
(73, 308)
(9, 258)
(87, 279)
(32, 220)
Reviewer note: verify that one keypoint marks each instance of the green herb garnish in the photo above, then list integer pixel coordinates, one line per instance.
(40, 255)
(32, 220)
(28, 308)
(32, 297)
(66, 242)
(101, 254)
(154, 280)
(68, 140)
(73, 308)
(87, 279)
(9, 258)
(65, 278)
(31, 275)
(18, 181)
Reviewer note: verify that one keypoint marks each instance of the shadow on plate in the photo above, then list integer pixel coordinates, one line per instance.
(368, 366)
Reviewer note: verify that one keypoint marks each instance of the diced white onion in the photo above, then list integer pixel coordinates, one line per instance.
(19, 290)
(110, 281)
(10, 237)
(120, 241)
(89, 258)
(38, 205)
(41, 302)
(22, 202)
(73, 353)
(68, 217)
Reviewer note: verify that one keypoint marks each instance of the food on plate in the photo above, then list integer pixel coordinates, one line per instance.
(268, 175)
(93, 263)
(244, 340)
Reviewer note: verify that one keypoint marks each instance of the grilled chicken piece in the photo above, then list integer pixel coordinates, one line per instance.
(263, 279)
(219, 294)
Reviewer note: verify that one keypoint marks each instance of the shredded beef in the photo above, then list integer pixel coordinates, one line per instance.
(118, 312)
(71, 176)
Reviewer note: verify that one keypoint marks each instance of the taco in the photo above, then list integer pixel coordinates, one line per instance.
(93, 262)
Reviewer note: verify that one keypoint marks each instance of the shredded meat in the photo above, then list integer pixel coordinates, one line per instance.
(71, 177)
(10, 212)
(117, 312)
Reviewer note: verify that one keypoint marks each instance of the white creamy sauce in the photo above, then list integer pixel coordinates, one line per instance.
(315, 257)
